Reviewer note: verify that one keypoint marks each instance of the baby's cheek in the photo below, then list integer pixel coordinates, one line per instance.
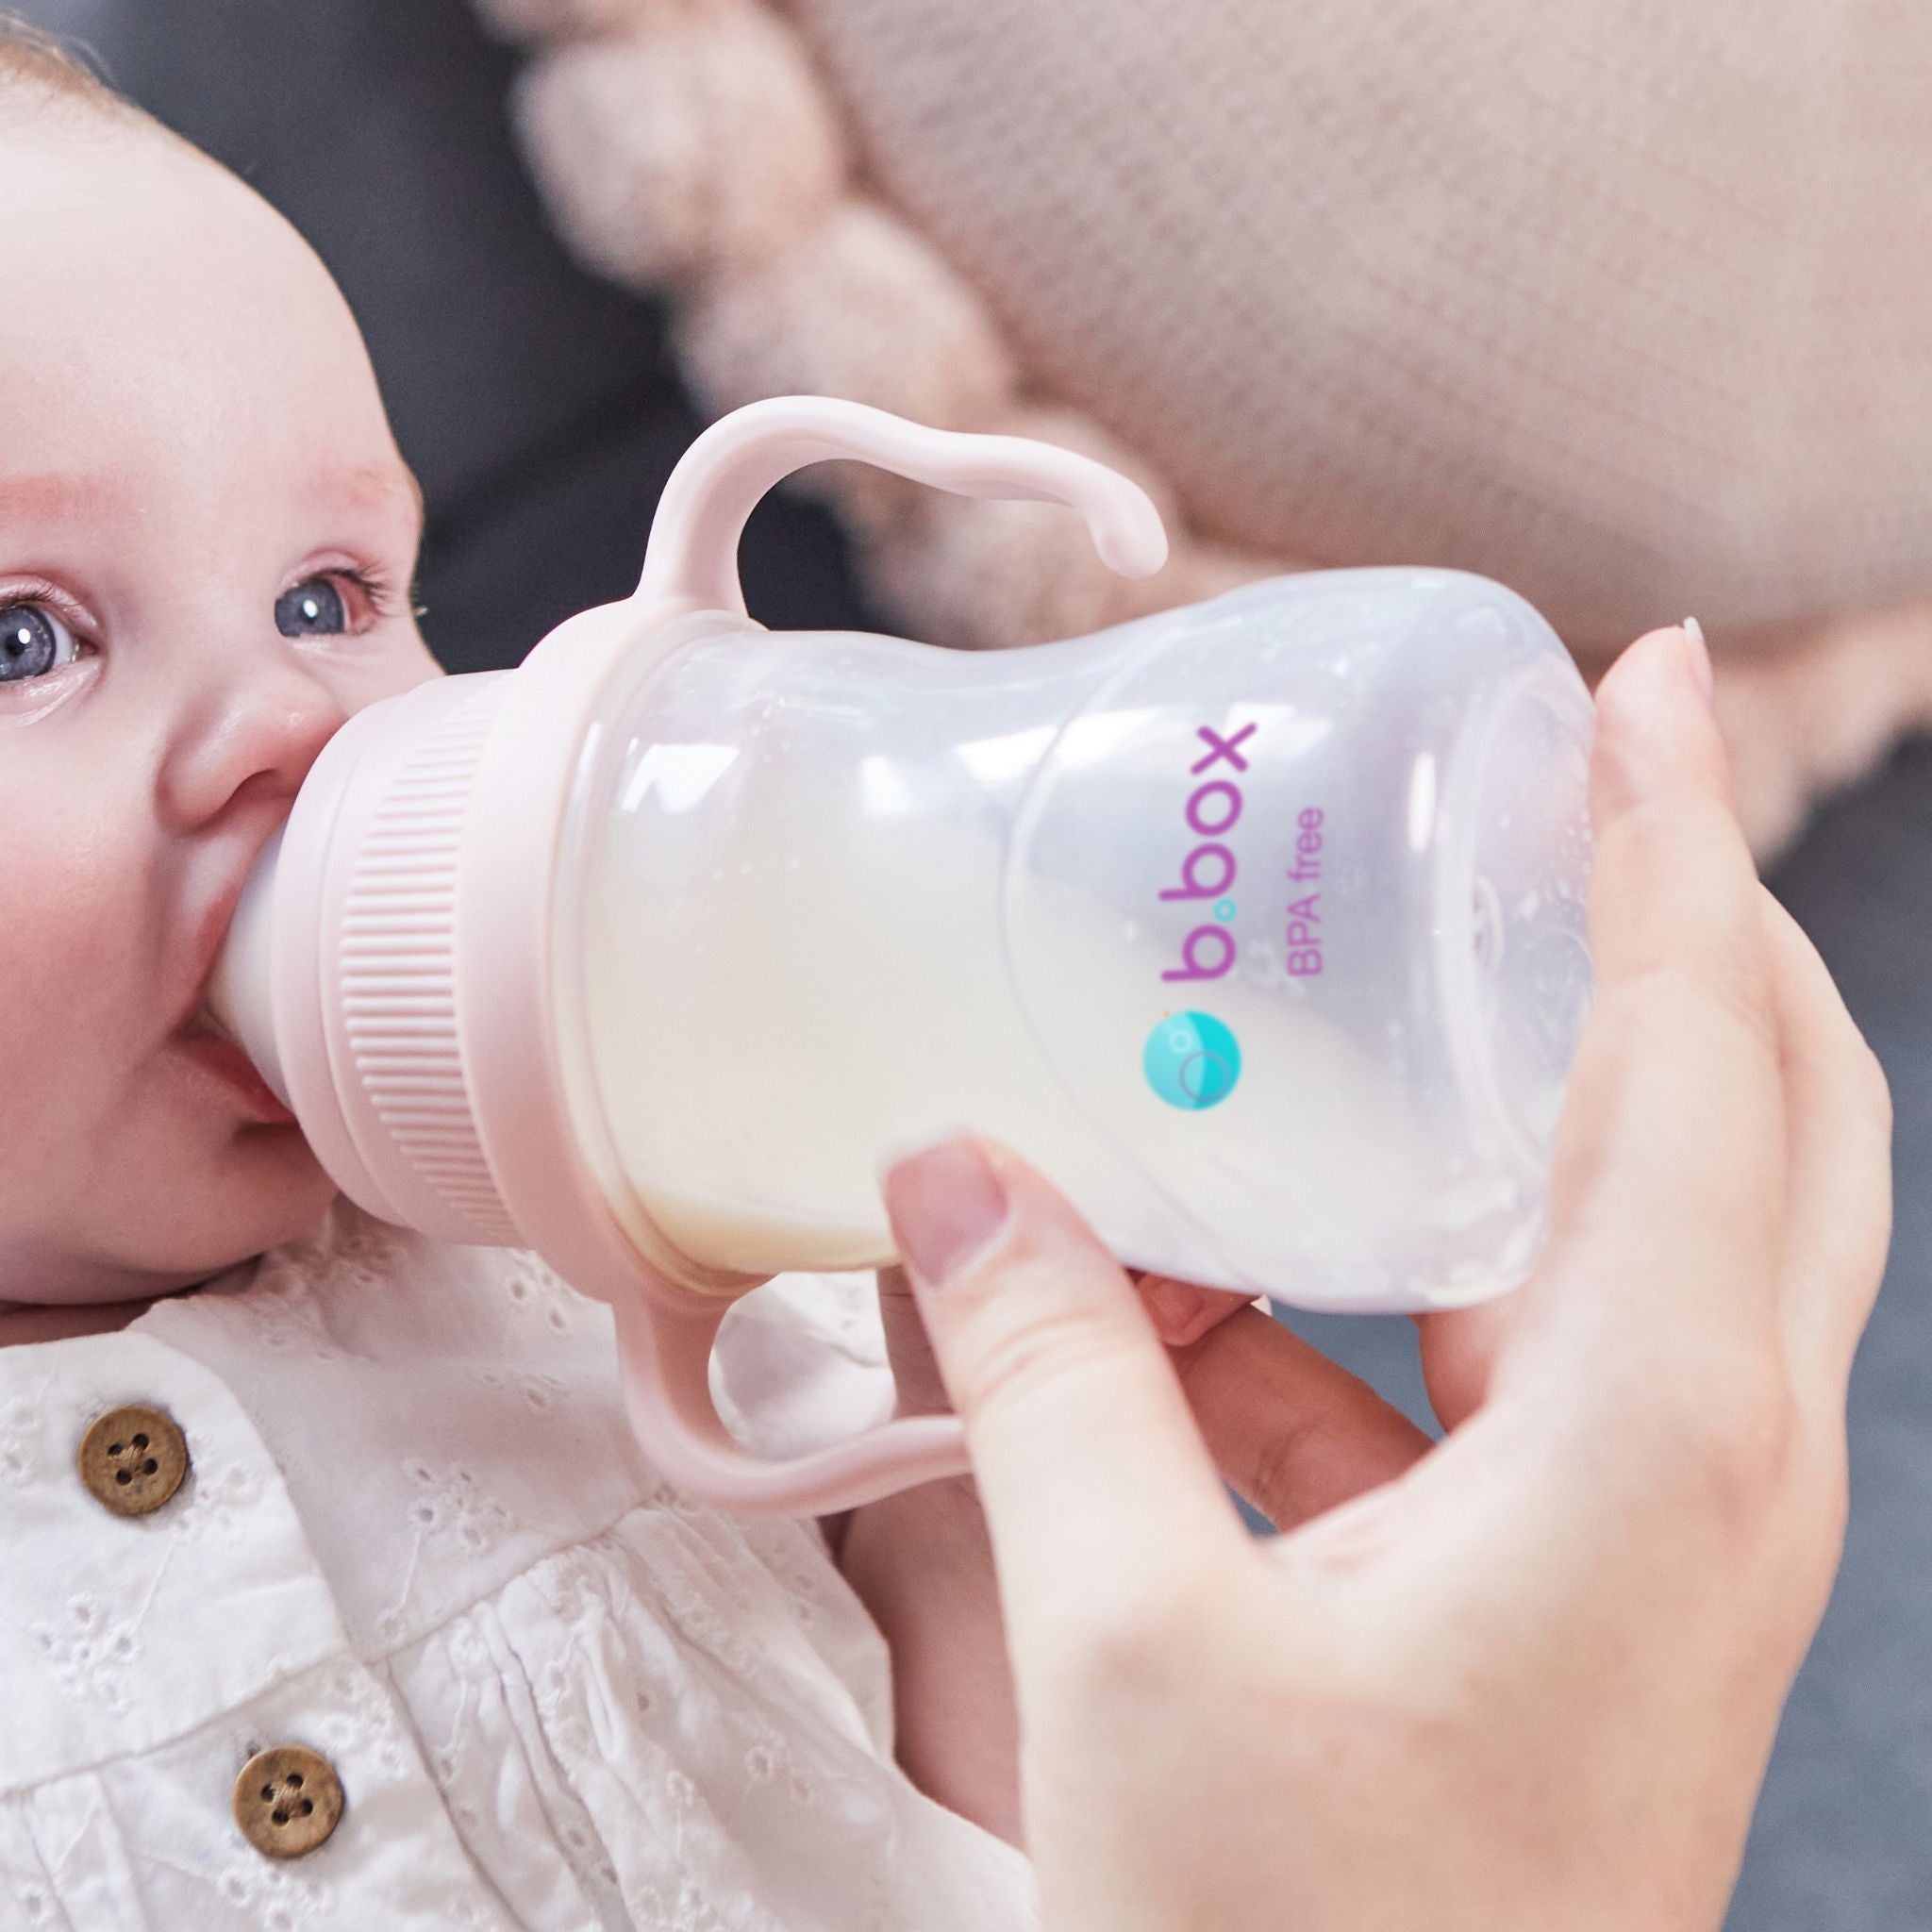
(400, 664)
(79, 977)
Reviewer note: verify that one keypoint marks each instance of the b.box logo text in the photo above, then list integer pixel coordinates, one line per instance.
(1193, 1059)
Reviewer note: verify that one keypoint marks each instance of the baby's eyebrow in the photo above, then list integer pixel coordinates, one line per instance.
(52, 495)
(58, 495)
(375, 484)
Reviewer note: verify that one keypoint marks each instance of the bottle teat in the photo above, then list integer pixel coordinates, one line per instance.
(241, 987)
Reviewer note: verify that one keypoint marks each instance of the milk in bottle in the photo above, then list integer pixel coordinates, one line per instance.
(1258, 926)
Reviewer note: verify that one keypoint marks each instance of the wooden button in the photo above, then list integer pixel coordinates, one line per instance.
(132, 1459)
(288, 1799)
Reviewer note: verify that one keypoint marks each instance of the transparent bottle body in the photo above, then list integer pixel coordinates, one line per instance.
(1257, 926)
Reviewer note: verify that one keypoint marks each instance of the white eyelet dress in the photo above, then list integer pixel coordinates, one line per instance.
(418, 1551)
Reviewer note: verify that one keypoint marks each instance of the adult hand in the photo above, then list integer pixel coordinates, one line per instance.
(920, 1561)
(1528, 1678)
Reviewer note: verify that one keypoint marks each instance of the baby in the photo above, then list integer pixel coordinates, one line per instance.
(337, 1592)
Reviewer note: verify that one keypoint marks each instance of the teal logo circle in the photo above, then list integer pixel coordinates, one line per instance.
(1191, 1060)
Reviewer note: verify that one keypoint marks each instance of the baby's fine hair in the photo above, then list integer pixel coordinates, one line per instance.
(40, 72)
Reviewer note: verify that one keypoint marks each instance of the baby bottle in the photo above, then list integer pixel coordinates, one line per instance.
(1257, 926)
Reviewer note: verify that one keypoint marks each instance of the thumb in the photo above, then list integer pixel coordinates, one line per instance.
(1089, 1467)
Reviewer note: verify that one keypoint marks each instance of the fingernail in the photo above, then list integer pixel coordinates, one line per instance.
(1699, 655)
(947, 1205)
(1176, 1304)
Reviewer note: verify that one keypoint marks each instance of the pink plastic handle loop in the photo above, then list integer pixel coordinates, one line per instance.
(692, 560)
(664, 1357)
(665, 1340)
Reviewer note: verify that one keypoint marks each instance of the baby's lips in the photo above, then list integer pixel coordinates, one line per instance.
(1184, 1313)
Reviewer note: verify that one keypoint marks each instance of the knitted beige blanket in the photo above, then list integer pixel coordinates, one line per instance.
(1628, 304)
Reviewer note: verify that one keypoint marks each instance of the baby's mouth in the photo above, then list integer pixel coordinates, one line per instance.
(204, 1039)
(206, 1020)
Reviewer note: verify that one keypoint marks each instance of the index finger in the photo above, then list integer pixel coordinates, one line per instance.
(1097, 1487)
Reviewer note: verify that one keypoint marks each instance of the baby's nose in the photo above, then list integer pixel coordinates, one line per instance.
(258, 734)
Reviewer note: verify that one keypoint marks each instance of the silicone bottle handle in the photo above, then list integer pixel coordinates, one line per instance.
(664, 1343)
(692, 560)
(664, 1361)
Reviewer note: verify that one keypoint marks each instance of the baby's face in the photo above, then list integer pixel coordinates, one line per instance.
(206, 536)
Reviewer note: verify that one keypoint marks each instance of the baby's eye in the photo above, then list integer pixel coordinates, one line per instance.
(33, 641)
(315, 609)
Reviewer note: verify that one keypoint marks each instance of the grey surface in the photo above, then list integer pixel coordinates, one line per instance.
(540, 411)
(1844, 1836)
